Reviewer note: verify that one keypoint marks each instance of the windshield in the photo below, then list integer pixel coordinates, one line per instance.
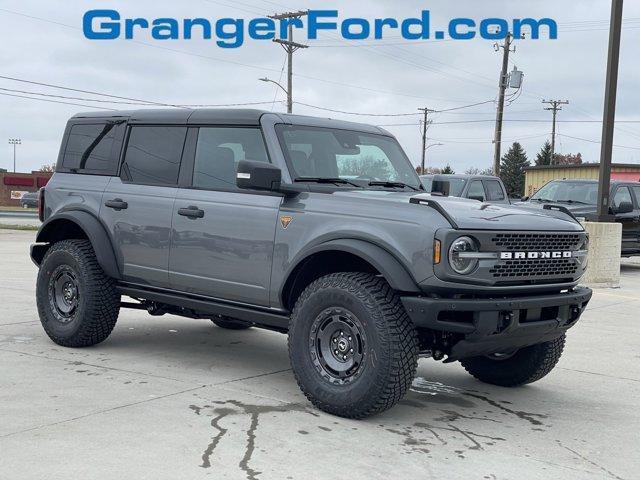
(360, 159)
(455, 186)
(570, 192)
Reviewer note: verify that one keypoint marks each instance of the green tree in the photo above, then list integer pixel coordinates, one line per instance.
(448, 170)
(365, 166)
(544, 155)
(512, 168)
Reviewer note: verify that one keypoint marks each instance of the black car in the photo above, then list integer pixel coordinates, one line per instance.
(29, 200)
(484, 188)
(581, 198)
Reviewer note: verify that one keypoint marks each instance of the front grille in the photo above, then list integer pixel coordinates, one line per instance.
(557, 267)
(537, 241)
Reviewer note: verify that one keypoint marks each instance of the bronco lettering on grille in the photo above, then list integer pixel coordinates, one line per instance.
(529, 255)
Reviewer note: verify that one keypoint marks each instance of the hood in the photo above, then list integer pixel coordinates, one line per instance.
(473, 215)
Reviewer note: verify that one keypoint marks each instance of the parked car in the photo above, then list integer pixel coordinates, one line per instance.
(252, 218)
(580, 197)
(483, 188)
(29, 200)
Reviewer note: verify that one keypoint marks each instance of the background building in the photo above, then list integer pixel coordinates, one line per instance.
(537, 176)
(14, 185)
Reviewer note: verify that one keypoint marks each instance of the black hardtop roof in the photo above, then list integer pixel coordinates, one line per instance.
(213, 116)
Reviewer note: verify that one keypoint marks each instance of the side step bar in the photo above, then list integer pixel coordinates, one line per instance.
(267, 318)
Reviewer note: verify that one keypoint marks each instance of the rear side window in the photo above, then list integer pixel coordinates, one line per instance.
(494, 190)
(153, 155)
(89, 149)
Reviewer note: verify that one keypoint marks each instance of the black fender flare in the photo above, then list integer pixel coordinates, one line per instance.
(93, 229)
(384, 262)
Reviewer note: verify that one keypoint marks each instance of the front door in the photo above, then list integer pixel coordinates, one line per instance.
(137, 206)
(628, 220)
(223, 237)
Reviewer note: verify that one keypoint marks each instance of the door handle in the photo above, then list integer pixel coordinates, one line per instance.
(116, 204)
(191, 211)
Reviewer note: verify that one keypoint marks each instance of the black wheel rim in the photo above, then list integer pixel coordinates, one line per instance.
(338, 345)
(64, 293)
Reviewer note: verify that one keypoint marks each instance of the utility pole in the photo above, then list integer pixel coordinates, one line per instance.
(502, 86)
(289, 46)
(425, 124)
(14, 142)
(609, 116)
(554, 108)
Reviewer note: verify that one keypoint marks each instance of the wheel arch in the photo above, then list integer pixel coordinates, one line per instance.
(77, 224)
(344, 255)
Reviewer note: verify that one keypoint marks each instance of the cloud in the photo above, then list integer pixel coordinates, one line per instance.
(398, 77)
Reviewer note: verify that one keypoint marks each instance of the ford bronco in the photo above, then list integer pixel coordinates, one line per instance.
(313, 227)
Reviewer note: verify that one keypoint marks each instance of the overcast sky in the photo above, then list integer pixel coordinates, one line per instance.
(394, 76)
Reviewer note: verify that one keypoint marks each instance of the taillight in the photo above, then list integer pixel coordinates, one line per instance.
(41, 204)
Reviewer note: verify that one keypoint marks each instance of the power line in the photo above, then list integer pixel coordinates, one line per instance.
(56, 101)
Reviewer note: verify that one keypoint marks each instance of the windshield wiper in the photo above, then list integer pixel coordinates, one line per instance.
(572, 201)
(543, 200)
(327, 180)
(391, 184)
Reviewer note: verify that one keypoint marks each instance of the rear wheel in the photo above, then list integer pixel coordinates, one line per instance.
(231, 323)
(515, 368)
(77, 303)
(352, 347)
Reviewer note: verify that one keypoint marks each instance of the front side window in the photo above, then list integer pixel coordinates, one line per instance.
(88, 149)
(218, 151)
(362, 159)
(476, 190)
(494, 190)
(623, 195)
(153, 155)
(636, 191)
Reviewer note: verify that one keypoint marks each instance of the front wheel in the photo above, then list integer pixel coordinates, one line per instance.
(512, 369)
(352, 347)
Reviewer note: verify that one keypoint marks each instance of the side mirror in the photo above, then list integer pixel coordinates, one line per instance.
(624, 207)
(254, 175)
(440, 187)
(476, 197)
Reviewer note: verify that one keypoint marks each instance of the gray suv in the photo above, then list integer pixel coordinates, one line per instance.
(313, 227)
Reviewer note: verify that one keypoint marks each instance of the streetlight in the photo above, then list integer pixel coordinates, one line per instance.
(14, 142)
(289, 101)
(427, 147)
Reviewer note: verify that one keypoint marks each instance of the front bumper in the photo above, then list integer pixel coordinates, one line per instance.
(491, 325)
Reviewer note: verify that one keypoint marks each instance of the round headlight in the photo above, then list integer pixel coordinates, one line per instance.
(458, 260)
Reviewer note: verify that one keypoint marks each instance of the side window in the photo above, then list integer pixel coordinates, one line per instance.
(494, 190)
(218, 151)
(88, 149)
(153, 155)
(476, 190)
(636, 191)
(622, 195)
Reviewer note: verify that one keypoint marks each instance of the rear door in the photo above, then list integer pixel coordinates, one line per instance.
(628, 220)
(137, 205)
(223, 237)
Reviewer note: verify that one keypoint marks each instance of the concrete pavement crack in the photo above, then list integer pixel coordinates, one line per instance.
(100, 412)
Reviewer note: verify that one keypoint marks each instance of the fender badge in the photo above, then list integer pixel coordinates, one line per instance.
(285, 220)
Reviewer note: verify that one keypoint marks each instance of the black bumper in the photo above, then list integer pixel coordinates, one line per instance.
(490, 325)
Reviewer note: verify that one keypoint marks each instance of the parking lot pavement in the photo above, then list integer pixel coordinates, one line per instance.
(166, 397)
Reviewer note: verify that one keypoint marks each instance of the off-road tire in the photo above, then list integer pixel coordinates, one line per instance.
(98, 301)
(527, 365)
(391, 349)
(231, 323)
